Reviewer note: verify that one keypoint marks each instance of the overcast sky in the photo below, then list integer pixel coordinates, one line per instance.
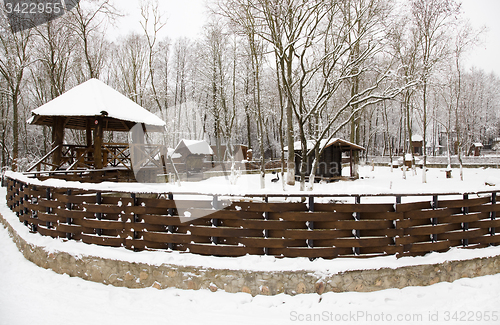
(186, 18)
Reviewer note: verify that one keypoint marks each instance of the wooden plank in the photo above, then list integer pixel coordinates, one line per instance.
(464, 203)
(157, 203)
(357, 242)
(384, 250)
(74, 214)
(407, 207)
(316, 252)
(407, 223)
(460, 218)
(381, 233)
(308, 234)
(264, 224)
(354, 224)
(224, 250)
(101, 240)
(54, 233)
(224, 232)
(485, 208)
(487, 223)
(102, 224)
(457, 235)
(49, 204)
(428, 247)
(50, 217)
(71, 229)
(267, 207)
(381, 215)
(167, 238)
(431, 230)
(162, 220)
(270, 242)
(373, 208)
(494, 240)
(427, 214)
(96, 208)
(310, 216)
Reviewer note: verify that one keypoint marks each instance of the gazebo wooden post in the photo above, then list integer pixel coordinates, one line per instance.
(350, 163)
(57, 140)
(98, 135)
(89, 138)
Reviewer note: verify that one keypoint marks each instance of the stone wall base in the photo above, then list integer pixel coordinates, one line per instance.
(139, 275)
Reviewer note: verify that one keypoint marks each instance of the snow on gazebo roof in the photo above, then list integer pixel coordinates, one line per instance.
(94, 98)
(344, 144)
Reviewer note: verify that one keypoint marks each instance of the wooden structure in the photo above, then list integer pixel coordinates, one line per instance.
(193, 153)
(417, 144)
(259, 225)
(475, 149)
(330, 161)
(93, 107)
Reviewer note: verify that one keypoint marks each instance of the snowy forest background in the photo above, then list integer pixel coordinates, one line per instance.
(374, 72)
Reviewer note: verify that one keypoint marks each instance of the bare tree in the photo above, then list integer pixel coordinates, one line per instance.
(431, 18)
(15, 58)
(88, 20)
(152, 23)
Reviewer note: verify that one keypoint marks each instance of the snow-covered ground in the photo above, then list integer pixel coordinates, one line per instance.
(374, 180)
(32, 295)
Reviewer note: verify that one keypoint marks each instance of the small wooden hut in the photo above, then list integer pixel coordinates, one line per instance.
(93, 107)
(330, 161)
(417, 144)
(475, 149)
(193, 153)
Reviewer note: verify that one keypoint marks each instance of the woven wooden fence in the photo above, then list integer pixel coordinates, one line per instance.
(309, 229)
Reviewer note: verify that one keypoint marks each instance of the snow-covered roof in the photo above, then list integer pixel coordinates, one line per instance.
(171, 153)
(195, 147)
(417, 138)
(323, 144)
(94, 98)
(478, 144)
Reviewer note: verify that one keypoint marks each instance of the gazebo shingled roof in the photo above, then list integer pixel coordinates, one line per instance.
(91, 99)
(95, 107)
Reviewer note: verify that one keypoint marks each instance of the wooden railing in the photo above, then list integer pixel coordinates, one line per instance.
(259, 225)
(80, 157)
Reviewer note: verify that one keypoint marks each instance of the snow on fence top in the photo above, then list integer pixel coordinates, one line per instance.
(93, 98)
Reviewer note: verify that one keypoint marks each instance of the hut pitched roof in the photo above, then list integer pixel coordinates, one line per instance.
(344, 144)
(194, 147)
(91, 99)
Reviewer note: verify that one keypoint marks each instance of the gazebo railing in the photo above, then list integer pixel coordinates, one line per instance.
(81, 157)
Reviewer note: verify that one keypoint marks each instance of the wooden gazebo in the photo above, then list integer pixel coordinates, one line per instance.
(94, 107)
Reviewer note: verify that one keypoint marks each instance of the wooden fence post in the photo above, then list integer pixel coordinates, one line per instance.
(98, 215)
(434, 221)
(465, 225)
(215, 222)
(310, 224)
(266, 231)
(170, 227)
(493, 214)
(69, 206)
(357, 217)
(48, 210)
